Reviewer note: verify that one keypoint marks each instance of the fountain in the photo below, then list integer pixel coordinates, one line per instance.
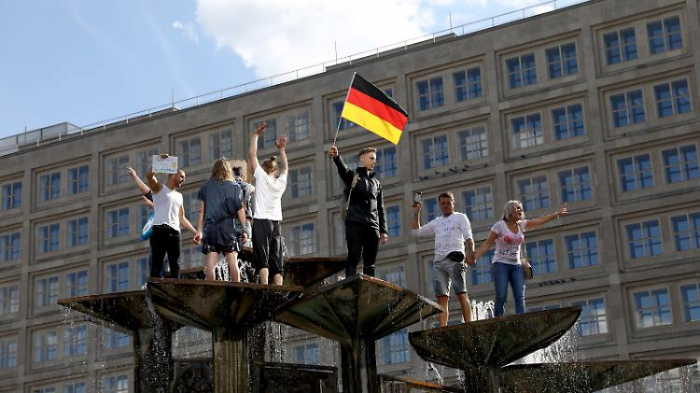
(355, 312)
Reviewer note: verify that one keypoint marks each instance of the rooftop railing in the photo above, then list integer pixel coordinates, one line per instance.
(62, 130)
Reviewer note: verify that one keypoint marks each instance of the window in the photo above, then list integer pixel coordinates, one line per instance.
(78, 179)
(220, 145)
(45, 390)
(386, 165)
(116, 384)
(143, 212)
(190, 152)
(9, 299)
(672, 98)
(568, 122)
(144, 160)
(664, 35)
(686, 231)
(117, 223)
(477, 203)
(12, 196)
(10, 247)
(394, 348)
(473, 143)
(481, 274)
(298, 126)
(337, 111)
(542, 308)
(467, 84)
(77, 284)
(46, 290)
(636, 173)
(542, 256)
(681, 164)
(49, 238)
(644, 239)
(191, 257)
(190, 204)
(527, 131)
(627, 108)
(142, 271)
(430, 93)
(521, 71)
(620, 46)
(269, 137)
(431, 209)
(434, 151)
(302, 240)
(300, 182)
(652, 308)
(49, 186)
(74, 387)
(690, 296)
(117, 277)
(77, 232)
(575, 185)
(114, 339)
(534, 192)
(393, 220)
(45, 346)
(581, 250)
(592, 320)
(394, 275)
(561, 60)
(306, 354)
(75, 340)
(116, 170)
(8, 353)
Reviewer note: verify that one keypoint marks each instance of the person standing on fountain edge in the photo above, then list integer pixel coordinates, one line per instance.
(220, 201)
(507, 265)
(452, 232)
(365, 219)
(169, 214)
(270, 185)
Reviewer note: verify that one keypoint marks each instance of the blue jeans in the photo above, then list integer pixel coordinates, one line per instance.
(503, 274)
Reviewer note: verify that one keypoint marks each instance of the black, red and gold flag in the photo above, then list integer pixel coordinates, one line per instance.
(368, 106)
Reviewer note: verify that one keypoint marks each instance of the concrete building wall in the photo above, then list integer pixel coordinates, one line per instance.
(619, 246)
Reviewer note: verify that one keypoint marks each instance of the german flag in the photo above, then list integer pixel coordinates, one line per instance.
(369, 107)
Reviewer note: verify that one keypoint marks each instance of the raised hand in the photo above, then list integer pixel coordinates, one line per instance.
(282, 142)
(333, 151)
(261, 128)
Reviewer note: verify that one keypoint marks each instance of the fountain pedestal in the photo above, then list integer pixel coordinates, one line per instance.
(356, 312)
(151, 335)
(229, 311)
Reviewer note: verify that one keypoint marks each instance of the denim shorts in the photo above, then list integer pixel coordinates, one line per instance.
(445, 273)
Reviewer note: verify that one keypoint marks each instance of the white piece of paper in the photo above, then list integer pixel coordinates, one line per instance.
(165, 165)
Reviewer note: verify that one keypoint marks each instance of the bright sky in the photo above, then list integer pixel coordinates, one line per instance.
(86, 61)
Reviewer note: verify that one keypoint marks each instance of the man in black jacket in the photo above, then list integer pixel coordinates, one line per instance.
(365, 219)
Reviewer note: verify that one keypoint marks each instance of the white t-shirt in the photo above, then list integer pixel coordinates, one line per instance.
(508, 243)
(167, 204)
(450, 233)
(268, 195)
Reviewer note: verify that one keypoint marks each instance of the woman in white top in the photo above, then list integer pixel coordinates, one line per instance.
(507, 265)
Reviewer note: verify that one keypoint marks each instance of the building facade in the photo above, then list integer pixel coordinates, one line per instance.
(594, 105)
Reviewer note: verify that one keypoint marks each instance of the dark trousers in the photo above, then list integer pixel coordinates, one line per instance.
(165, 240)
(363, 241)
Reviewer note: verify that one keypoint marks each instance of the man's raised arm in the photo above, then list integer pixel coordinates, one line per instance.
(253, 148)
(282, 144)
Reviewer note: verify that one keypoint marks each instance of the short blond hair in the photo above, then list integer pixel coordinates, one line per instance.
(509, 208)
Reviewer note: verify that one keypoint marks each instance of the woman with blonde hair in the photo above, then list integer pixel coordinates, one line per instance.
(507, 265)
(220, 201)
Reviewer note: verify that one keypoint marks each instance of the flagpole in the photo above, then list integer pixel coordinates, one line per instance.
(340, 120)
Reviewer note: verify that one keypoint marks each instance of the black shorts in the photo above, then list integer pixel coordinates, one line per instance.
(267, 246)
(221, 249)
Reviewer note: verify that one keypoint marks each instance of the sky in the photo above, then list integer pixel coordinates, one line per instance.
(87, 61)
